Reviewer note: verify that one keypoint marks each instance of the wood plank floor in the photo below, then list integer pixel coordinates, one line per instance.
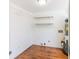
(41, 52)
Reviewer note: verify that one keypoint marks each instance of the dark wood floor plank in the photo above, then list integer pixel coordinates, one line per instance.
(41, 52)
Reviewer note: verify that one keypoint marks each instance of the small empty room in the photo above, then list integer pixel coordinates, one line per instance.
(39, 29)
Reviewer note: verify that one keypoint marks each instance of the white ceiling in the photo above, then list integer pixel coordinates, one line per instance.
(52, 5)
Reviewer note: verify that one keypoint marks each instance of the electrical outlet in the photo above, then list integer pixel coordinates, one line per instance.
(49, 41)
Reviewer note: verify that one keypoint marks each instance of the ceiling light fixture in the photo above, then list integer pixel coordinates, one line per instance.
(42, 2)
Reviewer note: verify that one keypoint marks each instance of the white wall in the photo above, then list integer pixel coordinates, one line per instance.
(24, 32)
(20, 30)
(43, 34)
